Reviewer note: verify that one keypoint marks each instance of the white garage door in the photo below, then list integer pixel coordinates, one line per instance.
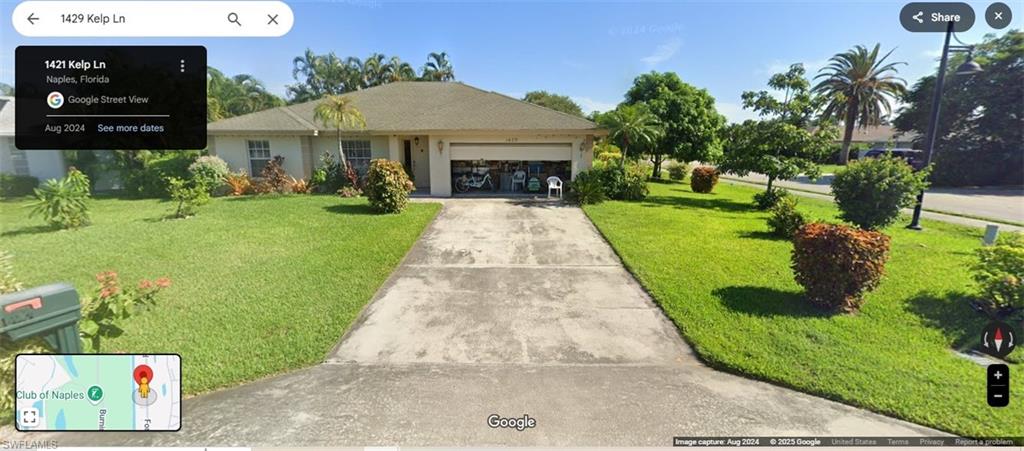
(527, 152)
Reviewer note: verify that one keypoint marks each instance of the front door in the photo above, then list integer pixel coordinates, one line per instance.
(407, 158)
(420, 163)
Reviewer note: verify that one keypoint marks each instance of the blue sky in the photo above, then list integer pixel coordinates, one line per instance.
(590, 51)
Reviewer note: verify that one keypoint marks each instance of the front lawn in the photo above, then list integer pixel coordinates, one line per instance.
(260, 284)
(708, 261)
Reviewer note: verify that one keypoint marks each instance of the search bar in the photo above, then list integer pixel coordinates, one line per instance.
(152, 18)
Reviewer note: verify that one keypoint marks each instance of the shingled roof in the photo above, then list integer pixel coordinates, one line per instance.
(417, 106)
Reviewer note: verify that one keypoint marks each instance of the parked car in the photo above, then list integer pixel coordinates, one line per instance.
(914, 157)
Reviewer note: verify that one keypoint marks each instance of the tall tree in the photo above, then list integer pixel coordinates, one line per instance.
(981, 128)
(859, 87)
(632, 127)
(339, 112)
(554, 101)
(235, 96)
(438, 68)
(781, 145)
(691, 123)
(6, 89)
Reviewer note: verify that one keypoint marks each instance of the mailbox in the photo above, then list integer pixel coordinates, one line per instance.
(50, 311)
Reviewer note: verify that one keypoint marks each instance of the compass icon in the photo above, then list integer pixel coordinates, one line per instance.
(998, 339)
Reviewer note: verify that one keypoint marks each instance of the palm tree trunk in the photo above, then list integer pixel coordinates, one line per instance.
(850, 121)
(657, 166)
(341, 152)
(622, 162)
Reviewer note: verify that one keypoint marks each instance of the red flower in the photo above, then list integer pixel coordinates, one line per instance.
(163, 282)
(145, 284)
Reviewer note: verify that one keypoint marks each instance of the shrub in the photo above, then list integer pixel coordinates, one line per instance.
(703, 179)
(210, 171)
(239, 183)
(871, 192)
(328, 177)
(784, 219)
(387, 186)
(629, 183)
(348, 191)
(768, 198)
(300, 186)
(104, 312)
(189, 195)
(587, 188)
(999, 272)
(145, 174)
(17, 185)
(837, 264)
(352, 177)
(275, 179)
(677, 171)
(63, 202)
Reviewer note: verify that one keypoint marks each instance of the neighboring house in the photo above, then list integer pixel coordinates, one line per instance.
(41, 164)
(438, 130)
(879, 137)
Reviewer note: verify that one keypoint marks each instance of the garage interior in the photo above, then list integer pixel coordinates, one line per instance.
(508, 169)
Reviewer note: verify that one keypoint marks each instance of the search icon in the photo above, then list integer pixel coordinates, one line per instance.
(233, 18)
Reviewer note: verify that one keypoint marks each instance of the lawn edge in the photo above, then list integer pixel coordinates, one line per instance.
(721, 366)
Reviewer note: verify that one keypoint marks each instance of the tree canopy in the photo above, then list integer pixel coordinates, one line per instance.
(234, 96)
(317, 76)
(632, 128)
(981, 125)
(691, 123)
(781, 145)
(556, 102)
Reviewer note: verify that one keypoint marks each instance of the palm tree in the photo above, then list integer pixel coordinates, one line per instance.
(373, 67)
(438, 68)
(397, 70)
(631, 125)
(859, 88)
(339, 112)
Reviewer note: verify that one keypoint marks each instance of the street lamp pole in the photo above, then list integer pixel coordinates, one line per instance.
(967, 68)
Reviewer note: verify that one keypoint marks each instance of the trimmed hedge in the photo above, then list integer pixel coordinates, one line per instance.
(703, 179)
(837, 264)
(17, 185)
(387, 186)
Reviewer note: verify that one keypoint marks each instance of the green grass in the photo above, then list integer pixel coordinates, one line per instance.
(709, 262)
(830, 168)
(261, 285)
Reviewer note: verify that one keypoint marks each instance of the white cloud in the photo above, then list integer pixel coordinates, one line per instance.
(663, 53)
(590, 105)
(734, 112)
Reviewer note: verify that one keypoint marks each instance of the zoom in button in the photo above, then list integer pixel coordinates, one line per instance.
(928, 17)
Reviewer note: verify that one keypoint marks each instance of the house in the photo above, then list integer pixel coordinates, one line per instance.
(438, 130)
(880, 136)
(41, 164)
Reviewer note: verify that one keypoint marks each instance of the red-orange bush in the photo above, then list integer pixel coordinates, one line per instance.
(837, 264)
(703, 179)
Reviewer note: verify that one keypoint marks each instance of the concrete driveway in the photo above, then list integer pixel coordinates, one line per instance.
(511, 308)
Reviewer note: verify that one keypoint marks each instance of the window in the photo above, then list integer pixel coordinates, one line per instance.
(259, 156)
(358, 154)
(20, 161)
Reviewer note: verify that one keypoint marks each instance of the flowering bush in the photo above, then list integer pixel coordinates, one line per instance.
(210, 171)
(104, 313)
(348, 191)
(837, 264)
(703, 179)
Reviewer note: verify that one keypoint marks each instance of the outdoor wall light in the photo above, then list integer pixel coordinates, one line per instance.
(416, 141)
(440, 146)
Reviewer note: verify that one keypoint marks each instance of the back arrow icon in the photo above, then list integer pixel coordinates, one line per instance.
(32, 18)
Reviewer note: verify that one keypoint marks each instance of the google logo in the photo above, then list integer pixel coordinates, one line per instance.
(55, 100)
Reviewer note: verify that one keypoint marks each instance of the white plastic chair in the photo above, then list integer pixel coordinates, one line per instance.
(519, 178)
(555, 184)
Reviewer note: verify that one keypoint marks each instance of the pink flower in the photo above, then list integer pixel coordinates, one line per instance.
(163, 282)
(145, 284)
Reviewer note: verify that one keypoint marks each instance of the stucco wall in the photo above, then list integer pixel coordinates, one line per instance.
(42, 164)
(235, 151)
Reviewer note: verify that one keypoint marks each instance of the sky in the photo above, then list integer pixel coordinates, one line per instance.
(590, 51)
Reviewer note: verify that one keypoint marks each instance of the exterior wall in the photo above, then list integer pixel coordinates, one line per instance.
(440, 161)
(42, 164)
(329, 143)
(235, 151)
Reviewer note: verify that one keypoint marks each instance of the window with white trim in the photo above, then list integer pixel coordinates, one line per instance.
(259, 155)
(20, 161)
(358, 154)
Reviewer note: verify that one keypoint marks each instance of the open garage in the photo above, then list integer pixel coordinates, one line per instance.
(508, 168)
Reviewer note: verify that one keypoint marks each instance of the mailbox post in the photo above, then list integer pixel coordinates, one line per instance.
(50, 311)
